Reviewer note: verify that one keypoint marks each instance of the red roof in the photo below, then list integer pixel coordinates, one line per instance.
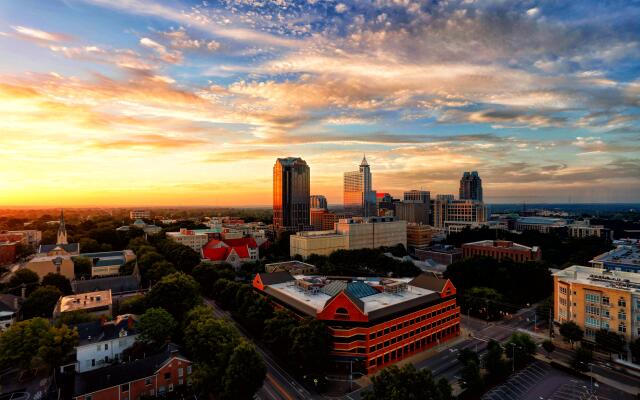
(222, 253)
(381, 195)
(251, 242)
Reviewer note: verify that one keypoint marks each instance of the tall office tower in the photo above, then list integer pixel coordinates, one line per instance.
(318, 201)
(359, 199)
(471, 186)
(421, 196)
(291, 182)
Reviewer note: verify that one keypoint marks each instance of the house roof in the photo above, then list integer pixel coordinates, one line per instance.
(247, 241)
(72, 248)
(429, 281)
(98, 331)
(117, 284)
(222, 253)
(8, 301)
(103, 378)
(275, 277)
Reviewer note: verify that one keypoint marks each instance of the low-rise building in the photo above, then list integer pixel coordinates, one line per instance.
(148, 229)
(293, 267)
(97, 304)
(194, 238)
(598, 299)
(624, 257)
(582, 229)
(439, 254)
(419, 235)
(153, 376)
(321, 243)
(58, 261)
(139, 214)
(540, 224)
(500, 249)
(9, 309)
(373, 322)
(108, 263)
(231, 251)
(28, 237)
(8, 252)
(101, 343)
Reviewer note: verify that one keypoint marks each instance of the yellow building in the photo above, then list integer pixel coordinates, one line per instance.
(321, 243)
(419, 235)
(56, 261)
(597, 299)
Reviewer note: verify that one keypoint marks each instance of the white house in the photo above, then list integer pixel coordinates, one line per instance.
(101, 343)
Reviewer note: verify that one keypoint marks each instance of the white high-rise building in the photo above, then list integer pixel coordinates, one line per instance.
(359, 199)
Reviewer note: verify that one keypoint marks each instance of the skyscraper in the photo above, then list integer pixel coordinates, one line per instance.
(291, 182)
(359, 199)
(471, 186)
(421, 196)
(318, 201)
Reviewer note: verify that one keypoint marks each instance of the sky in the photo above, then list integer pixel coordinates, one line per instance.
(150, 102)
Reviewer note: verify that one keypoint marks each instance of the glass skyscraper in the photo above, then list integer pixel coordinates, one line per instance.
(358, 197)
(291, 184)
(471, 186)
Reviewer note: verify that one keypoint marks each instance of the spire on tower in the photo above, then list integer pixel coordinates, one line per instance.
(62, 230)
(364, 162)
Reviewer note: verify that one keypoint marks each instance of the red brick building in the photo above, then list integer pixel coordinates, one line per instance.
(500, 249)
(8, 252)
(374, 321)
(152, 376)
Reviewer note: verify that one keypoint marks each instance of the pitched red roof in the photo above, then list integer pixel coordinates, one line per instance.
(251, 242)
(212, 243)
(222, 253)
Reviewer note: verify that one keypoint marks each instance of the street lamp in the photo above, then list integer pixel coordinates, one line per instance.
(513, 356)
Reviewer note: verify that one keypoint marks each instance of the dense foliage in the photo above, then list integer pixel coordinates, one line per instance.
(407, 383)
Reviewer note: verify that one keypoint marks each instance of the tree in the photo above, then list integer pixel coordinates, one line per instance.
(148, 259)
(31, 343)
(136, 304)
(24, 277)
(466, 355)
(159, 270)
(483, 301)
(407, 383)
(309, 347)
(610, 342)
(277, 331)
(156, 326)
(581, 359)
(59, 281)
(244, 374)
(81, 267)
(177, 293)
(571, 332)
(471, 378)
(522, 347)
(549, 347)
(494, 362)
(41, 302)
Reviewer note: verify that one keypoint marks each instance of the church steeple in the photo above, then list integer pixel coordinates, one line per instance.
(62, 231)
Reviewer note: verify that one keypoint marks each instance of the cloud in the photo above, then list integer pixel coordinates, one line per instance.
(122, 58)
(341, 8)
(171, 57)
(180, 40)
(38, 35)
(155, 141)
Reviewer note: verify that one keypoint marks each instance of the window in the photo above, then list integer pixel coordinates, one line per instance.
(622, 302)
(342, 313)
(563, 290)
(180, 372)
(106, 346)
(372, 336)
(147, 381)
(167, 375)
(124, 387)
(592, 298)
(622, 328)
(605, 300)
(188, 369)
(622, 315)
(386, 331)
(93, 362)
(99, 347)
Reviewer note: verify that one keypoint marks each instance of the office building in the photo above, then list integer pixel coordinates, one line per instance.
(625, 257)
(501, 249)
(413, 212)
(540, 224)
(374, 322)
(97, 304)
(439, 254)
(419, 236)
(29, 237)
(359, 199)
(454, 215)
(291, 185)
(582, 229)
(419, 196)
(318, 201)
(316, 216)
(598, 299)
(385, 204)
(350, 234)
(471, 186)
(193, 238)
(139, 214)
(155, 375)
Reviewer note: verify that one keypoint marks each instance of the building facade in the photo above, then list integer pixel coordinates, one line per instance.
(502, 249)
(374, 322)
(598, 299)
(188, 237)
(439, 254)
(291, 186)
(413, 212)
(625, 257)
(540, 224)
(318, 201)
(139, 214)
(321, 243)
(454, 215)
(101, 343)
(471, 186)
(419, 236)
(358, 197)
(582, 229)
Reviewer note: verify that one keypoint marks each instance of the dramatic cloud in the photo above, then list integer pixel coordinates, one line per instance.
(39, 35)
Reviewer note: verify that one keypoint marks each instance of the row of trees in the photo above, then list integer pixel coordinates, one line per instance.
(363, 262)
(407, 383)
(605, 340)
(160, 257)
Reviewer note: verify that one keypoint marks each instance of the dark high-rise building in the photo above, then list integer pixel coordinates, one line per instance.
(471, 186)
(318, 201)
(291, 182)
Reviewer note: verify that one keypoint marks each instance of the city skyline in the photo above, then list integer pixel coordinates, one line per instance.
(149, 103)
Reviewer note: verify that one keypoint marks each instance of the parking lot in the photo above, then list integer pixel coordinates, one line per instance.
(540, 381)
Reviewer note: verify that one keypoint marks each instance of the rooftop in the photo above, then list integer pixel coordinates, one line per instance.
(627, 281)
(623, 255)
(289, 266)
(85, 301)
(542, 221)
(116, 284)
(98, 331)
(504, 244)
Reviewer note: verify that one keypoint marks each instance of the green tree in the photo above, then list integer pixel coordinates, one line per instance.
(309, 347)
(177, 293)
(610, 342)
(471, 377)
(522, 347)
(148, 259)
(494, 362)
(581, 359)
(24, 277)
(82, 267)
(244, 374)
(549, 347)
(466, 355)
(407, 383)
(159, 270)
(571, 332)
(136, 304)
(58, 344)
(156, 326)
(208, 274)
(59, 281)
(277, 331)
(41, 302)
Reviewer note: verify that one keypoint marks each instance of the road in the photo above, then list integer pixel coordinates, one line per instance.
(278, 385)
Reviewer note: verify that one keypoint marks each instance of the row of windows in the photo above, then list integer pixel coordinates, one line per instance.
(413, 346)
(412, 333)
(410, 322)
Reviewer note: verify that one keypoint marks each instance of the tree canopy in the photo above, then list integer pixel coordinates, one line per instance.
(156, 326)
(407, 383)
(177, 293)
(60, 281)
(41, 302)
(571, 332)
